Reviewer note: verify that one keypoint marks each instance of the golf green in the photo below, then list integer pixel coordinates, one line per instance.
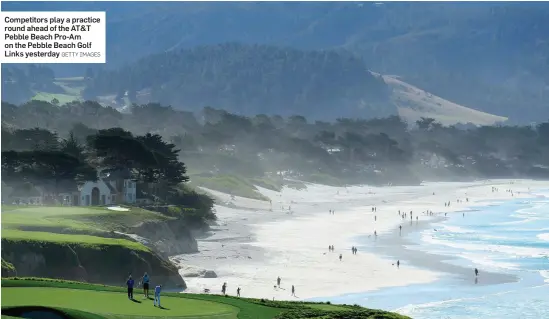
(102, 302)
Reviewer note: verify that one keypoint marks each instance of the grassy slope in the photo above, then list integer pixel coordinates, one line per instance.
(230, 184)
(82, 240)
(111, 302)
(88, 219)
(72, 87)
(414, 103)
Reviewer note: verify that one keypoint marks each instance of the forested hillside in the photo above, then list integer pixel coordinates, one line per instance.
(492, 57)
(251, 79)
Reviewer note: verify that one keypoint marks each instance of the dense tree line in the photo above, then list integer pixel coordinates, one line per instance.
(249, 79)
(38, 157)
(213, 141)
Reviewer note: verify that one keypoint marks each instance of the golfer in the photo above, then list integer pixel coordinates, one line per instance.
(146, 285)
(157, 295)
(130, 283)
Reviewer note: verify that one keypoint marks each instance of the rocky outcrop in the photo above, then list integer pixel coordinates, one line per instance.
(193, 271)
(167, 238)
(104, 264)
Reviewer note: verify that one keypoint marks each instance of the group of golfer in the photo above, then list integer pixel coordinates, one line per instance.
(145, 282)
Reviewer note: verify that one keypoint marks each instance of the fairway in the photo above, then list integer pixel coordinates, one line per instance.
(91, 219)
(116, 303)
(84, 240)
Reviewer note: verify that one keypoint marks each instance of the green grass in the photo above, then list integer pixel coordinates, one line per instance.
(92, 219)
(85, 226)
(82, 240)
(329, 307)
(230, 184)
(83, 301)
(62, 98)
(105, 302)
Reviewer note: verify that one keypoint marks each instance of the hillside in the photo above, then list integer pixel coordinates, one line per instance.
(250, 79)
(389, 94)
(414, 103)
(488, 56)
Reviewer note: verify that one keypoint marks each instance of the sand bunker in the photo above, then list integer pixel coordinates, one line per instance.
(118, 209)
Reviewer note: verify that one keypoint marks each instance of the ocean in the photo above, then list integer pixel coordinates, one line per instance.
(509, 237)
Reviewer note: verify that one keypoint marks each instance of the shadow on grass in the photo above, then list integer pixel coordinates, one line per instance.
(163, 308)
(135, 300)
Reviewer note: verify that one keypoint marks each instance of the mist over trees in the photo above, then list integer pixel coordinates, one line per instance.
(214, 142)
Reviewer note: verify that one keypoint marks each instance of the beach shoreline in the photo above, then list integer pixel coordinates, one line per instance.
(252, 245)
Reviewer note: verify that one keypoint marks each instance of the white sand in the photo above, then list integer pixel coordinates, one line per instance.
(252, 245)
(118, 208)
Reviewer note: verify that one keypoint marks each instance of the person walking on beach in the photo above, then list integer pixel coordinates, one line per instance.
(157, 290)
(146, 285)
(293, 290)
(278, 282)
(398, 263)
(400, 229)
(340, 257)
(375, 218)
(224, 288)
(130, 283)
(476, 272)
(238, 292)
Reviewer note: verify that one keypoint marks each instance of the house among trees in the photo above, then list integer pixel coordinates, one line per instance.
(112, 188)
(103, 192)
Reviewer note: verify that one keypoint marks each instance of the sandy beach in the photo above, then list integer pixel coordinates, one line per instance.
(255, 241)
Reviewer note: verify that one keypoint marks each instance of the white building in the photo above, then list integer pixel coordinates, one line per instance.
(111, 189)
(106, 192)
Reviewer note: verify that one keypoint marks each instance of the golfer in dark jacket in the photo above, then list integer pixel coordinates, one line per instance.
(130, 283)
